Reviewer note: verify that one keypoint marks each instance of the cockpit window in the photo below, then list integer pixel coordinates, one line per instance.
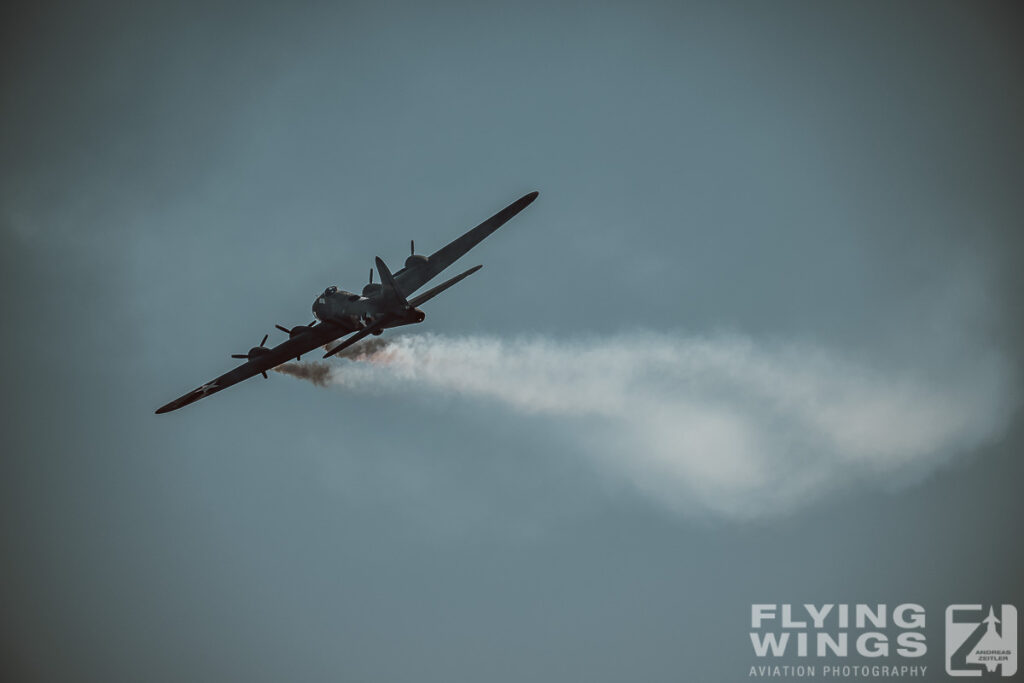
(330, 290)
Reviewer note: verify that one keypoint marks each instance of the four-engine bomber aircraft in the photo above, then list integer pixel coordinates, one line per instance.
(378, 308)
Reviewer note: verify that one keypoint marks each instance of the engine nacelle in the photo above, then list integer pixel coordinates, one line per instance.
(371, 289)
(257, 351)
(415, 260)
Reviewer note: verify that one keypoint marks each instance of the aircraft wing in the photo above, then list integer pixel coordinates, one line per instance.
(317, 336)
(411, 279)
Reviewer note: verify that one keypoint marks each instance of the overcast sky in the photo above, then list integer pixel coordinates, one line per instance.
(758, 339)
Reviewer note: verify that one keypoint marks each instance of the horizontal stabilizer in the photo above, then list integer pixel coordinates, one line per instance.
(431, 293)
(361, 334)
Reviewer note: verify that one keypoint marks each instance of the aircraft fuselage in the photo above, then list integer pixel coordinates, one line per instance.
(355, 312)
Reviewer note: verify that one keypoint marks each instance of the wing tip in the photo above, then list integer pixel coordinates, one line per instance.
(180, 402)
(519, 204)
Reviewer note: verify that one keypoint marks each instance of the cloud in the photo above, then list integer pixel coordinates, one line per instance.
(721, 424)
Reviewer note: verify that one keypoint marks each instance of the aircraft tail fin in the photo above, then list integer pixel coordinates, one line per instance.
(389, 288)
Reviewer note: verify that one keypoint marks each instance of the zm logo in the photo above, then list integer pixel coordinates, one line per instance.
(981, 639)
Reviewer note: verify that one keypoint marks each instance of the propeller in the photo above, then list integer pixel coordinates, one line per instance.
(298, 329)
(371, 276)
(412, 247)
(255, 352)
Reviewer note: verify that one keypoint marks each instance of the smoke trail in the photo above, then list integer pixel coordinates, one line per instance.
(718, 423)
(319, 372)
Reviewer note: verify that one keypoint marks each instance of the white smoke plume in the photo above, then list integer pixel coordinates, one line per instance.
(720, 424)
